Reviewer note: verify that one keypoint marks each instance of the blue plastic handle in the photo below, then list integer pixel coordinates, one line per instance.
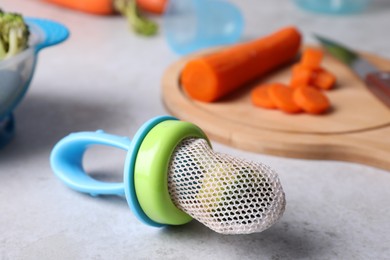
(66, 161)
(54, 32)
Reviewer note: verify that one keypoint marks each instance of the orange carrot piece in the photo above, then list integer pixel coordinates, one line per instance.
(261, 98)
(301, 76)
(100, 7)
(282, 96)
(209, 77)
(311, 100)
(312, 58)
(323, 79)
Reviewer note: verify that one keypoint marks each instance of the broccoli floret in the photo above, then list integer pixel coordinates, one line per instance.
(138, 22)
(14, 34)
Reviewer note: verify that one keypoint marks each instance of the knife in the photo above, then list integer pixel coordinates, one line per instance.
(376, 80)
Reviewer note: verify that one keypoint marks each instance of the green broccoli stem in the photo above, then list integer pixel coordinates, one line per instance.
(2, 50)
(13, 47)
(138, 22)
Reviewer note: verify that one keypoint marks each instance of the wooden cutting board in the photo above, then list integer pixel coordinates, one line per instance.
(357, 129)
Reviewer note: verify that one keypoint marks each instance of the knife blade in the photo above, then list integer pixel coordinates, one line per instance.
(376, 80)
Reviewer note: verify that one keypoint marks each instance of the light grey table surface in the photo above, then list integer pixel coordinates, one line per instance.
(106, 77)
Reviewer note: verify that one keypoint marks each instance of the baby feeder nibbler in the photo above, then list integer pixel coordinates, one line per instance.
(172, 175)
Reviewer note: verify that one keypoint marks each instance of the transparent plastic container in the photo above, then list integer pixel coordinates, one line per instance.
(192, 25)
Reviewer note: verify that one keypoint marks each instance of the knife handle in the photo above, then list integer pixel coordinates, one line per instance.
(379, 85)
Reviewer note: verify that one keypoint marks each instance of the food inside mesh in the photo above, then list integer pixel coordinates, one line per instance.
(227, 194)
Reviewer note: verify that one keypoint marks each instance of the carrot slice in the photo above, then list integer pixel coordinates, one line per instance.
(282, 96)
(209, 77)
(312, 58)
(323, 79)
(311, 100)
(261, 98)
(301, 76)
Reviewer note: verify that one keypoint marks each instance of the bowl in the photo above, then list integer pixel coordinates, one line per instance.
(17, 72)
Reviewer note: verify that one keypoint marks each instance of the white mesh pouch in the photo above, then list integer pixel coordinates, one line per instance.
(227, 194)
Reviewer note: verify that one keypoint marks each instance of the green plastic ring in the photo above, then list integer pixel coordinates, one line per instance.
(151, 170)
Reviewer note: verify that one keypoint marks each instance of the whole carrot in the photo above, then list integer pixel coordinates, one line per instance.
(128, 8)
(210, 77)
(153, 6)
(100, 7)
(106, 7)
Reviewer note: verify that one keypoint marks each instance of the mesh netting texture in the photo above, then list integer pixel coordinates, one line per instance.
(227, 194)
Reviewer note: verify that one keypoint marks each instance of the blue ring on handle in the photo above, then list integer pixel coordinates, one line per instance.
(128, 175)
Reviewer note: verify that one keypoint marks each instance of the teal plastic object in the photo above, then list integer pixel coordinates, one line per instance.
(192, 25)
(333, 6)
(17, 72)
(66, 162)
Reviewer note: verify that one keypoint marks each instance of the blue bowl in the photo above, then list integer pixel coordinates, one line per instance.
(16, 72)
